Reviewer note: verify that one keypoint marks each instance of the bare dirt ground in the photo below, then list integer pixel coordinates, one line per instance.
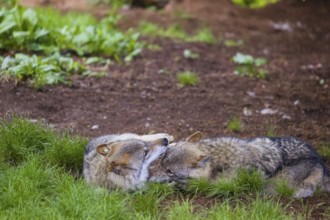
(137, 98)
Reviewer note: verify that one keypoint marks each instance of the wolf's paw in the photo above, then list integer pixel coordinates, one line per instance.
(303, 192)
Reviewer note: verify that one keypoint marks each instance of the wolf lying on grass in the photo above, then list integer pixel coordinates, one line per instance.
(122, 161)
(288, 158)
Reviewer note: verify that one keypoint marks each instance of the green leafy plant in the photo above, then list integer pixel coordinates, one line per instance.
(234, 124)
(188, 54)
(176, 31)
(187, 78)
(40, 71)
(49, 31)
(249, 66)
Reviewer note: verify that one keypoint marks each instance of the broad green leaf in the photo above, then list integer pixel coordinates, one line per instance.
(40, 33)
(6, 63)
(6, 25)
(31, 16)
(21, 34)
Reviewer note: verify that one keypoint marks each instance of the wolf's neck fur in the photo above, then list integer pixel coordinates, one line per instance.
(156, 155)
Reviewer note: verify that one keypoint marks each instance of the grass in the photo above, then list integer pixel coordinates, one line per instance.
(40, 178)
(324, 150)
(258, 208)
(203, 35)
(283, 189)
(234, 124)
(187, 78)
(243, 182)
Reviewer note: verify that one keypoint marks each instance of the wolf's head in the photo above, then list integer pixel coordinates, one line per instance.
(123, 164)
(182, 161)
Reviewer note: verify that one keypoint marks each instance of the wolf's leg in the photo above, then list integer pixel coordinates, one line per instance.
(152, 137)
(293, 175)
(308, 186)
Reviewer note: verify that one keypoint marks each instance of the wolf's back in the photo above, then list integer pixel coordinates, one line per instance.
(294, 150)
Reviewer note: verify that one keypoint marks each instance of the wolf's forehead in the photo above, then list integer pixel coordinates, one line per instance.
(131, 147)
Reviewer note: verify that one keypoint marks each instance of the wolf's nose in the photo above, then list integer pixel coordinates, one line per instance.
(165, 142)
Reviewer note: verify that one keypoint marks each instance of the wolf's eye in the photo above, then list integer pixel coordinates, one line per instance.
(116, 170)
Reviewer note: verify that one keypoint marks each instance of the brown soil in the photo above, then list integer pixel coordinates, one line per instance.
(137, 98)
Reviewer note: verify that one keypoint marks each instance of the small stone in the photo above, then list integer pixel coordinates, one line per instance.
(286, 117)
(251, 93)
(268, 111)
(247, 111)
(296, 102)
(147, 125)
(282, 26)
(94, 127)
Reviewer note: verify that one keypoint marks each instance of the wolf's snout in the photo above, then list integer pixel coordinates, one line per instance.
(165, 142)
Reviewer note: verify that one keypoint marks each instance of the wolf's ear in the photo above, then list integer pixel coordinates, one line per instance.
(104, 149)
(201, 161)
(195, 137)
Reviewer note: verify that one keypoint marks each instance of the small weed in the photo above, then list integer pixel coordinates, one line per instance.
(154, 47)
(234, 124)
(271, 131)
(204, 35)
(187, 78)
(254, 3)
(188, 54)
(183, 15)
(249, 66)
(324, 150)
(233, 43)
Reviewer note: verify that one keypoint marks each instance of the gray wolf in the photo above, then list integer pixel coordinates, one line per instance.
(122, 161)
(282, 157)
